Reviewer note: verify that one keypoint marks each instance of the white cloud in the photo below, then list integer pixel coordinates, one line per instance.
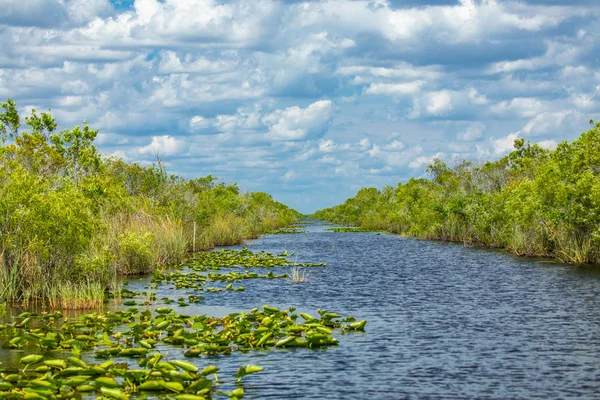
(295, 123)
(584, 101)
(374, 151)
(476, 98)
(84, 11)
(548, 144)
(163, 145)
(396, 145)
(504, 145)
(470, 134)
(329, 159)
(422, 161)
(402, 70)
(198, 122)
(394, 89)
(524, 107)
(556, 54)
(289, 176)
(327, 146)
(171, 63)
(265, 78)
(439, 103)
(548, 121)
(364, 144)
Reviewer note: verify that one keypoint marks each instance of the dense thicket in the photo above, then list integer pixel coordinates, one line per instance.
(71, 220)
(532, 202)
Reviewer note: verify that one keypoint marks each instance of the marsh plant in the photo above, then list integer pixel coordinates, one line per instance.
(71, 219)
(141, 338)
(298, 275)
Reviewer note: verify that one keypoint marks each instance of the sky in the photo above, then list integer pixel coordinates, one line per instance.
(308, 101)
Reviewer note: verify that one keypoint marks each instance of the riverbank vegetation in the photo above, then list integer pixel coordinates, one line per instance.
(71, 220)
(533, 202)
(158, 337)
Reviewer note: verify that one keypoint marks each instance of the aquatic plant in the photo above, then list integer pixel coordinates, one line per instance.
(73, 378)
(131, 333)
(298, 276)
(351, 229)
(136, 336)
(286, 231)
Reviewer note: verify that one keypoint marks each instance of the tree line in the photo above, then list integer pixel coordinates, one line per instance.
(532, 202)
(72, 220)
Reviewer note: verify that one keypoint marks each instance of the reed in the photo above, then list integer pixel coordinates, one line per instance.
(298, 275)
(78, 296)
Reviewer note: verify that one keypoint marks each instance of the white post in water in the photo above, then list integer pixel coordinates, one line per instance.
(194, 245)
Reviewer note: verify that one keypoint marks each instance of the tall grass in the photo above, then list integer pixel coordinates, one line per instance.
(223, 230)
(78, 296)
(140, 243)
(71, 221)
(297, 275)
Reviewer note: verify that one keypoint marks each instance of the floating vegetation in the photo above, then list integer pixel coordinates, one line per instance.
(140, 339)
(134, 335)
(350, 229)
(287, 231)
(198, 281)
(244, 258)
(72, 378)
(131, 333)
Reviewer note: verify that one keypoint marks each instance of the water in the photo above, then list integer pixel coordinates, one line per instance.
(444, 321)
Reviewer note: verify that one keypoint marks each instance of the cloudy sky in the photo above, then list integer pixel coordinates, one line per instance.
(312, 100)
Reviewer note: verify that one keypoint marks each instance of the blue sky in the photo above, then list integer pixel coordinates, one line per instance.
(308, 101)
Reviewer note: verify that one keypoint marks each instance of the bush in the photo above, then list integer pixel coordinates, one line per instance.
(70, 221)
(532, 202)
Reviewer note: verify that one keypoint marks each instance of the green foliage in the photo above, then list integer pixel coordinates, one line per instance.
(70, 220)
(532, 202)
(9, 121)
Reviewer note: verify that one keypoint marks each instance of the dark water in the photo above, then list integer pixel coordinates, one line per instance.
(444, 321)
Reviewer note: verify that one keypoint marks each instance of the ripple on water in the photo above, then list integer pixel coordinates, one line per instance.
(444, 322)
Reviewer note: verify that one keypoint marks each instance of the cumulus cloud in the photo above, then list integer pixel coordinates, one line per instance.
(289, 124)
(163, 145)
(295, 123)
(505, 144)
(422, 161)
(327, 146)
(364, 90)
(402, 70)
(556, 54)
(394, 89)
(39, 13)
(524, 107)
(546, 122)
(470, 134)
(439, 102)
(198, 122)
(396, 145)
(548, 144)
